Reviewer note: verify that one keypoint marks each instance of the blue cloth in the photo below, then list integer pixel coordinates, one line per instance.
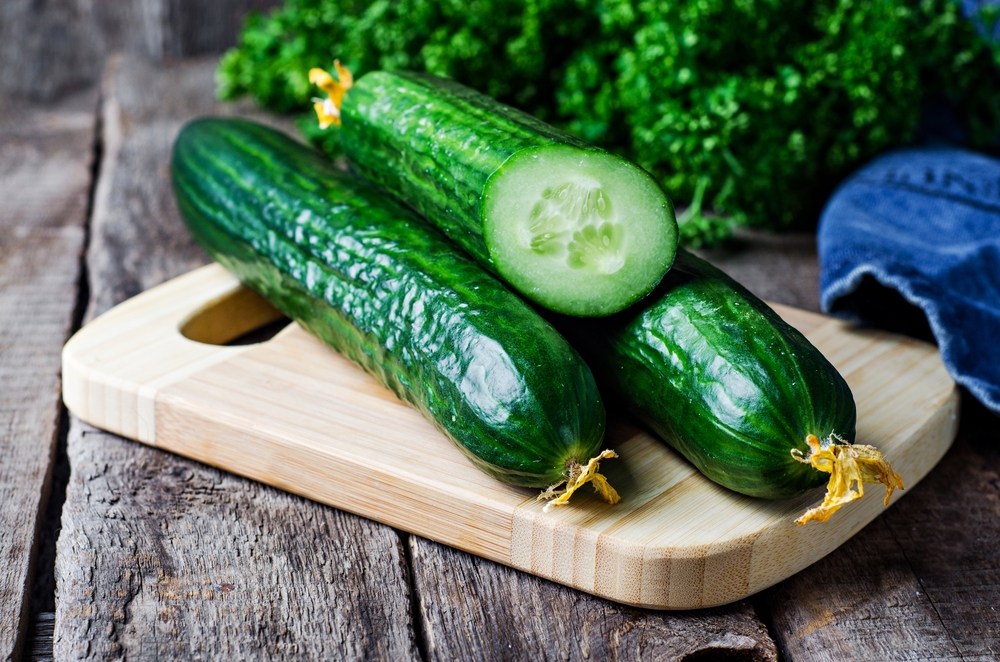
(925, 222)
(972, 9)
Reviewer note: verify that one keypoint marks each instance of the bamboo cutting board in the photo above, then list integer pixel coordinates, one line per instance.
(294, 414)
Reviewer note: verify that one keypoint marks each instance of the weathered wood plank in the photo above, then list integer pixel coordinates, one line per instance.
(164, 558)
(862, 602)
(472, 608)
(179, 28)
(923, 581)
(161, 557)
(45, 156)
(47, 48)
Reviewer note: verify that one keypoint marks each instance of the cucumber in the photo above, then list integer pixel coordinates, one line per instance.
(374, 282)
(740, 393)
(571, 227)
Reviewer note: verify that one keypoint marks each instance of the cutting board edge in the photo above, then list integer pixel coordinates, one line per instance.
(503, 523)
(104, 399)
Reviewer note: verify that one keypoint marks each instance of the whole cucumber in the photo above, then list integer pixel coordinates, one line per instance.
(743, 395)
(374, 282)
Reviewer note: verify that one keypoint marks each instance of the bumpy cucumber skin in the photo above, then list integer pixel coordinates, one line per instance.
(436, 144)
(377, 284)
(720, 377)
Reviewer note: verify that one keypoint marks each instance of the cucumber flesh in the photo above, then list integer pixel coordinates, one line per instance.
(577, 230)
(479, 171)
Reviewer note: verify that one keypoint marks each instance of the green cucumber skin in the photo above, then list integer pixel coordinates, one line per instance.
(435, 144)
(720, 377)
(377, 284)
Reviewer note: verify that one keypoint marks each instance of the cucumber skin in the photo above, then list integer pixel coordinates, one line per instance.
(435, 144)
(378, 285)
(719, 376)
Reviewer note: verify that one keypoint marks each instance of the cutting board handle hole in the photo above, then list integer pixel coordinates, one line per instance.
(240, 317)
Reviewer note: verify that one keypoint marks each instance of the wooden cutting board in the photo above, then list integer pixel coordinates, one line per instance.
(292, 413)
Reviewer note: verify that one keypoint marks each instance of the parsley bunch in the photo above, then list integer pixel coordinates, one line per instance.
(748, 111)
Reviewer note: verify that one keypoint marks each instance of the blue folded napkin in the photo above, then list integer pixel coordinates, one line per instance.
(924, 222)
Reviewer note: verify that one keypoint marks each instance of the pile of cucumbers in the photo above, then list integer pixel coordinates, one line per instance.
(487, 263)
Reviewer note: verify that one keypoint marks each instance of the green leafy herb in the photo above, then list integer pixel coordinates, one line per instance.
(748, 111)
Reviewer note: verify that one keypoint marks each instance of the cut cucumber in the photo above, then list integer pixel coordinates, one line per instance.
(576, 229)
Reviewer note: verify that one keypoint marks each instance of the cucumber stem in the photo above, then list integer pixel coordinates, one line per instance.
(850, 466)
(579, 475)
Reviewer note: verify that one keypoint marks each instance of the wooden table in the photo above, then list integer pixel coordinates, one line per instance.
(159, 557)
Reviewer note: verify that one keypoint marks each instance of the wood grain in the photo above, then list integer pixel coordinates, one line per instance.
(160, 557)
(921, 585)
(49, 48)
(181, 28)
(45, 156)
(472, 608)
(292, 413)
(145, 241)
